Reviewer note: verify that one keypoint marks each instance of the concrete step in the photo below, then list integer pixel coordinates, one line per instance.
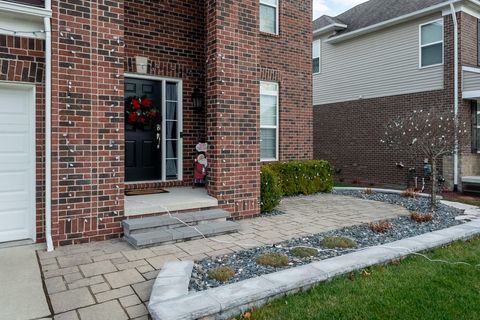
(141, 225)
(157, 237)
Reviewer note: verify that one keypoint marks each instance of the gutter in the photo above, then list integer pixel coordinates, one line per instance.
(455, 94)
(390, 22)
(330, 27)
(48, 128)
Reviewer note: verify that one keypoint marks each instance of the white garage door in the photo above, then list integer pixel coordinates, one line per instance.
(17, 162)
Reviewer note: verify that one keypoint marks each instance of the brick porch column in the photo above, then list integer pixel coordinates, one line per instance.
(87, 120)
(232, 111)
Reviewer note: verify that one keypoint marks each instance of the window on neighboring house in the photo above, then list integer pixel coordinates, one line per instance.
(269, 16)
(316, 49)
(268, 121)
(431, 43)
(476, 127)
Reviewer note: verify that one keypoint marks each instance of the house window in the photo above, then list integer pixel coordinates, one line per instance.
(269, 16)
(476, 127)
(431, 44)
(268, 121)
(316, 56)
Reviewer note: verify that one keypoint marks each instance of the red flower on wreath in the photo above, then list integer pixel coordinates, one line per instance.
(140, 112)
(136, 104)
(147, 103)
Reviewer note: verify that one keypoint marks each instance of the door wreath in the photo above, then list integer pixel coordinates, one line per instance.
(140, 112)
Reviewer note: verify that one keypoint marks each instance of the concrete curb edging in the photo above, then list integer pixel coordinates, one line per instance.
(230, 300)
(380, 190)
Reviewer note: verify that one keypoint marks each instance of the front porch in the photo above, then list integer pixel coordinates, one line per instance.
(174, 200)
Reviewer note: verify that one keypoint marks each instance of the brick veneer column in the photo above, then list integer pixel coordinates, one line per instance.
(87, 120)
(233, 104)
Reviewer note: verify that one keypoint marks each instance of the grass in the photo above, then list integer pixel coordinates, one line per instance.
(411, 289)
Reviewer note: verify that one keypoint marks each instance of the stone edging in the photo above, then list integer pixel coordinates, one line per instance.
(380, 190)
(230, 300)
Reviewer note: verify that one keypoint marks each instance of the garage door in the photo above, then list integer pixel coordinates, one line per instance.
(17, 162)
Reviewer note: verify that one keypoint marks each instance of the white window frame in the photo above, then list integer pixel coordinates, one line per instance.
(276, 126)
(420, 46)
(319, 56)
(276, 6)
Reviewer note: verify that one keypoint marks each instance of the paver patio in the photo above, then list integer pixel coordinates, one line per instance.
(92, 280)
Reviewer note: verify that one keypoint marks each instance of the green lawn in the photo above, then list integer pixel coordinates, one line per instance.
(411, 289)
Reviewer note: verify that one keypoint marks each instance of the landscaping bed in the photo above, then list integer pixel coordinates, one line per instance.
(244, 264)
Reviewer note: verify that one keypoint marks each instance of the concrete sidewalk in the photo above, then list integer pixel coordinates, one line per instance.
(21, 294)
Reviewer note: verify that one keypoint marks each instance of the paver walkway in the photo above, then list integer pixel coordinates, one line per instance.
(111, 280)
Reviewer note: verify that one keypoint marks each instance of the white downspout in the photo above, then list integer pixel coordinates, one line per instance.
(48, 128)
(455, 90)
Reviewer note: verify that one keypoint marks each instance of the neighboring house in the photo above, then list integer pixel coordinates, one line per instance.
(385, 58)
(235, 72)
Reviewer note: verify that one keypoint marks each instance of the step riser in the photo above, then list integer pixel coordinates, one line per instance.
(153, 244)
(169, 227)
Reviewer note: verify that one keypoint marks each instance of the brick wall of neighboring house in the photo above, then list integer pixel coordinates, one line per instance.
(171, 34)
(348, 133)
(23, 60)
(87, 121)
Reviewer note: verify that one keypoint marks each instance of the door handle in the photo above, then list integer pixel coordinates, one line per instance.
(159, 136)
(158, 141)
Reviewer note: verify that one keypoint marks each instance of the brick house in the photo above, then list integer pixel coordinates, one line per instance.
(385, 58)
(235, 72)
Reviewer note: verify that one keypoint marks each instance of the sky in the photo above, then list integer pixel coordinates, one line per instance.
(332, 7)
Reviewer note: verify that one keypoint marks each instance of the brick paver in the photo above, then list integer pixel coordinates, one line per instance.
(85, 281)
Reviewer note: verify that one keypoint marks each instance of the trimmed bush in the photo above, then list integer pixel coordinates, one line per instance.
(276, 260)
(271, 192)
(303, 177)
(338, 242)
(222, 274)
(304, 252)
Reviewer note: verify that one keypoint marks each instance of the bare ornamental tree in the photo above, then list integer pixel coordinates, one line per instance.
(428, 134)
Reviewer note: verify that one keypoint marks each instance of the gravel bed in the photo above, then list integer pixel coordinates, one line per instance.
(245, 267)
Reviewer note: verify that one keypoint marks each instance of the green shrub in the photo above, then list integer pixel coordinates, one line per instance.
(271, 192)
(338, 242)
(222, 274)
(304, 252)
(273, 259)
(303, 177)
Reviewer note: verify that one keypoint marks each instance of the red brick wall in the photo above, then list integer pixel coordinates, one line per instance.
(286, 59)
(239, 57)
(348, 133)
(171, 34)
(23, 60)
(87, 121)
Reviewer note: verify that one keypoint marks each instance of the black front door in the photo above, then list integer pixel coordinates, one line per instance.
(143, 141)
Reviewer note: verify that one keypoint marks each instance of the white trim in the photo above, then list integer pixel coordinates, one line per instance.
(23, 9)
(179, 83)
(330, 27)
(277, 23)
(319, 55)
(276, 126)
(462, 8)
(384, 24)
(31, 96)
(421, 46)
(471, 69)
(471, 94)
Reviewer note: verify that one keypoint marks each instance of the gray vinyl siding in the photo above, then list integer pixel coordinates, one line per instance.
(383, 63)
(471, 81)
